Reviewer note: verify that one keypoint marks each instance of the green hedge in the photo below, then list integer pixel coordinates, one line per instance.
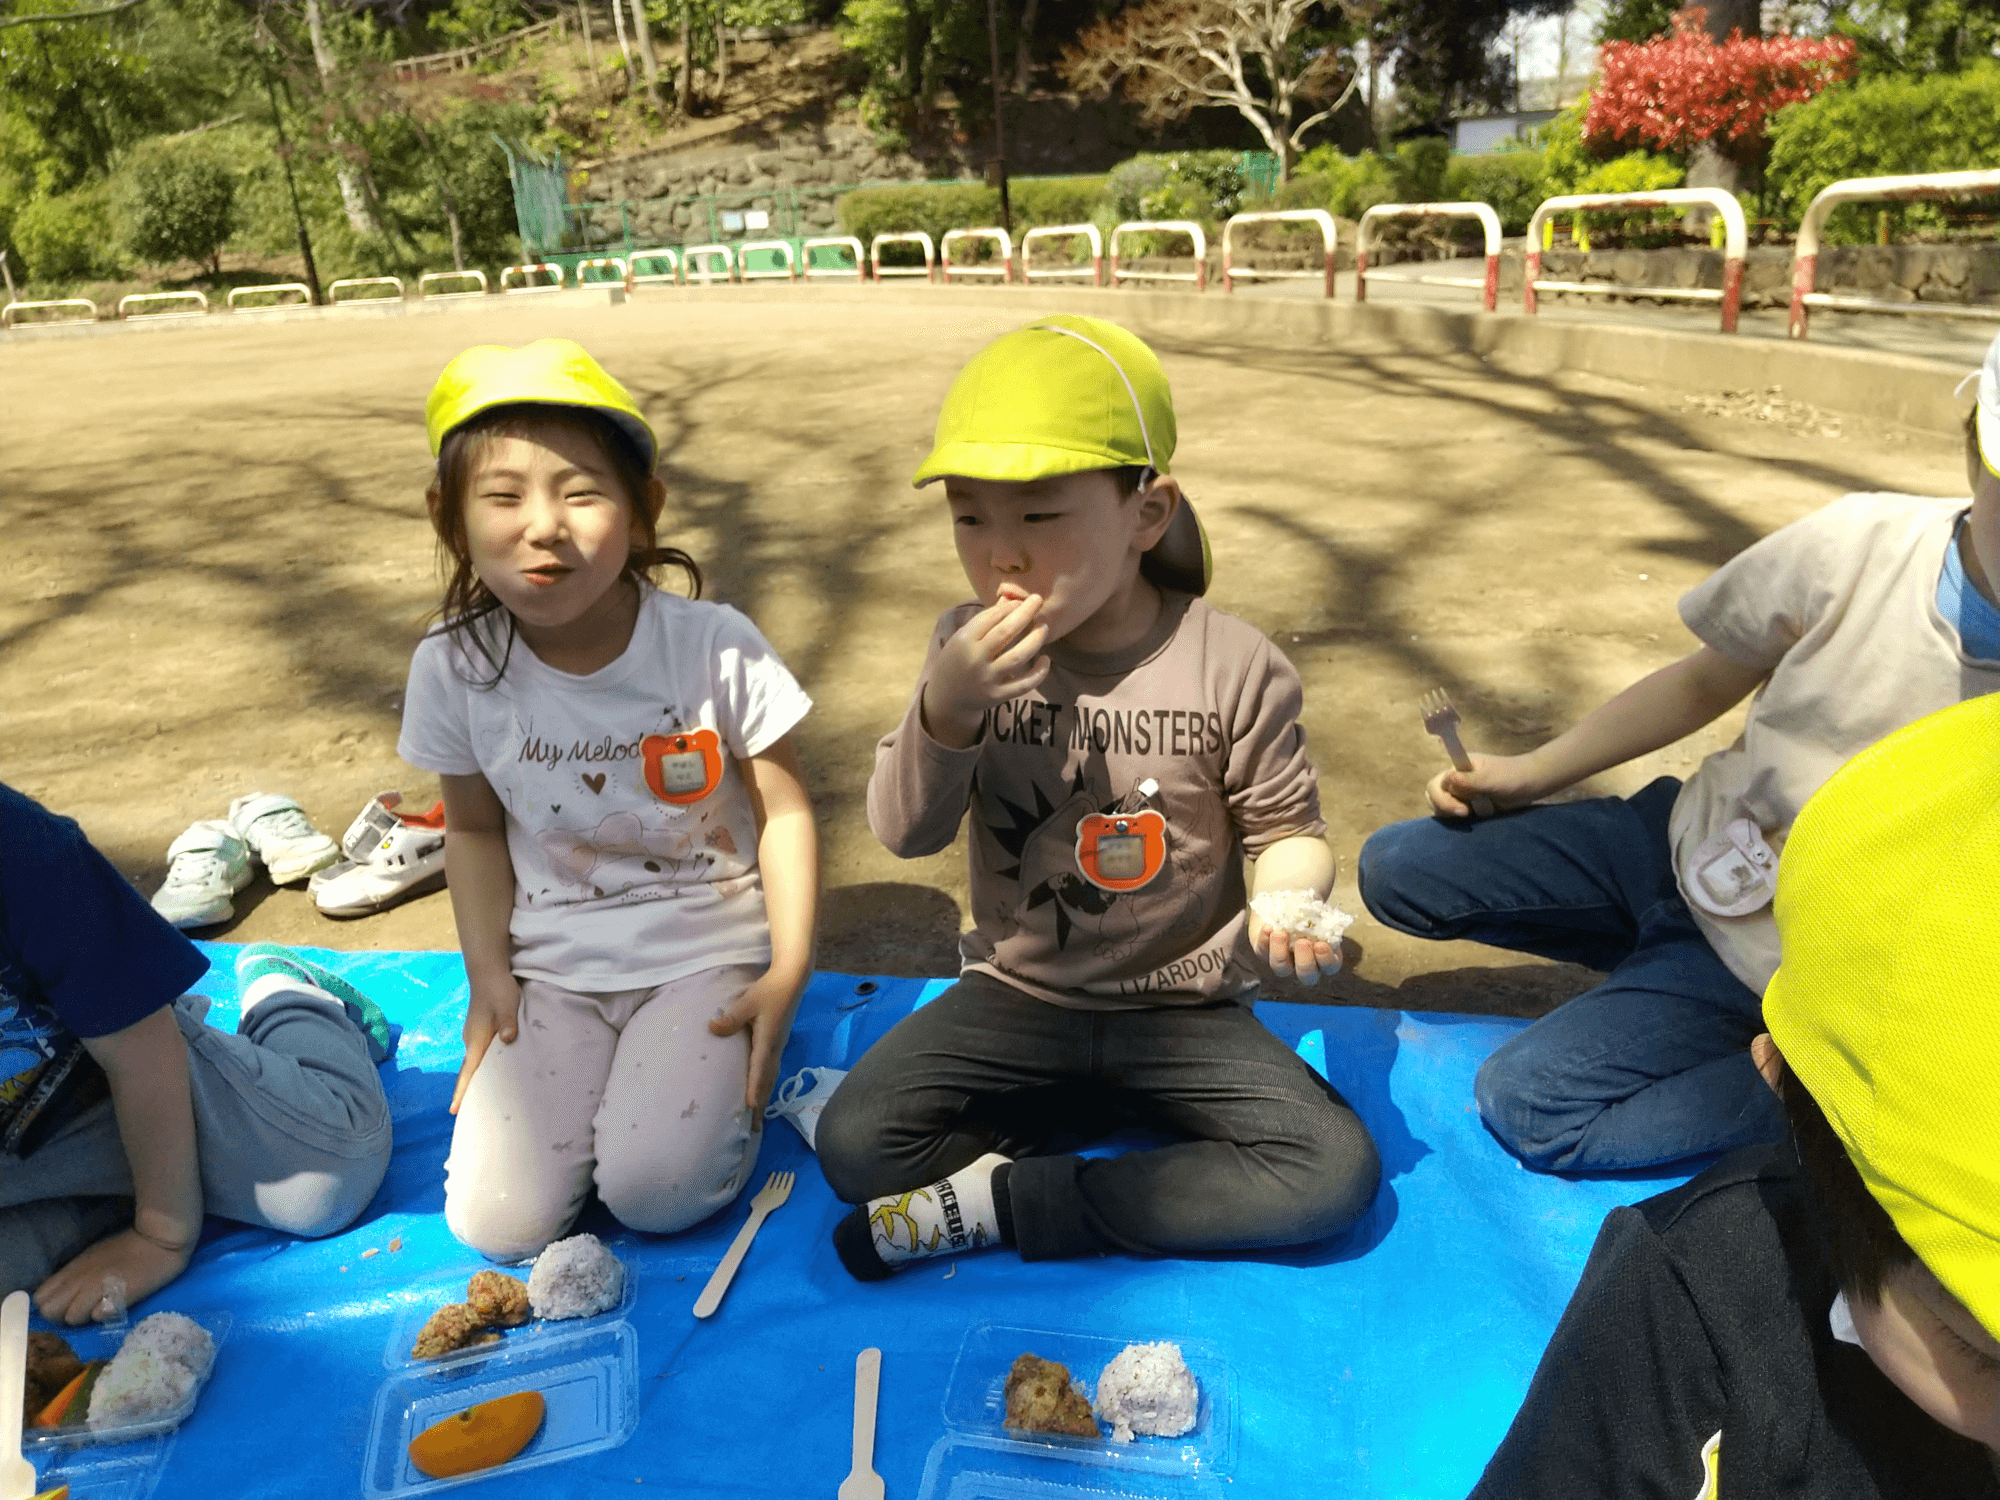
(935, 207)
(1943, 122)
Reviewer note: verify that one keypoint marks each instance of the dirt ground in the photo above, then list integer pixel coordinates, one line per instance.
(214, 564)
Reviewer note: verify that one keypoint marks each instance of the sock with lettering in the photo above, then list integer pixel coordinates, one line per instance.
(959, 1213)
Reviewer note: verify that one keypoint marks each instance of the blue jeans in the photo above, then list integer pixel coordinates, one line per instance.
(1651, 1066)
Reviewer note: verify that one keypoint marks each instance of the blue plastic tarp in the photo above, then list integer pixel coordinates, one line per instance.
(1387, 1363)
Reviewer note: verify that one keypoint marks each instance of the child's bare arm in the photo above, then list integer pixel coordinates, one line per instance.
(480, 873)
(147, 1068)
(788, 860)
(1300, 863)
(1655, 711)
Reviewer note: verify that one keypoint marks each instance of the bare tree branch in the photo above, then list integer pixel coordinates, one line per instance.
(57, 17)
(1174, 56)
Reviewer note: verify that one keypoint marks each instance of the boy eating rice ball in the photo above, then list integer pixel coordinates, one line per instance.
(1120, 746)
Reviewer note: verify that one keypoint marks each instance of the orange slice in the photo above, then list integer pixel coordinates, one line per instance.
(478, 1437)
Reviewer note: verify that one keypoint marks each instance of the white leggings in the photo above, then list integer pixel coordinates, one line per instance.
(628, 1087)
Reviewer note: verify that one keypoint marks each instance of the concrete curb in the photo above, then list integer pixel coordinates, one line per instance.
(608, 294)
(1879, 387)
(1870, 385)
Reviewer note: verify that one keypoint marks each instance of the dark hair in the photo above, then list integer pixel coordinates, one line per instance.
(1863, 1245)
(1975, 461)
(1133, 478)
(469, 606)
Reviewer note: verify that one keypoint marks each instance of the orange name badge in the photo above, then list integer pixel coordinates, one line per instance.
(682, 768)
(1121, 851)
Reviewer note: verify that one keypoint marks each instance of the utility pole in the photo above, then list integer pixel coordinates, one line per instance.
(997, 172)
(291, 187)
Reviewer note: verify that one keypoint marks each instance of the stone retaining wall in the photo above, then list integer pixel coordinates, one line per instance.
(1886, 273)
(808, 163)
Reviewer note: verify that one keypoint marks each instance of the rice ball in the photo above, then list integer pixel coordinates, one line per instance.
(176, 1338)
(1302, 914)
(154, 1370)
(136, 1385)
(1148, 1389)
(576, 1278)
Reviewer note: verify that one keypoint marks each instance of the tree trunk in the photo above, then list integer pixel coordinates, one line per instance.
(647, 56)
(624, 50)
(1725, 16)
(721, 57)
(684, 85)
(354, 195)
(1024, 54)
(589, 49)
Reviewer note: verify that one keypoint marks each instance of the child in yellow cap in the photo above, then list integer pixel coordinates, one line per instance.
(1820, 1318)
(1118, 747)
(1840, 628)
(632, 858)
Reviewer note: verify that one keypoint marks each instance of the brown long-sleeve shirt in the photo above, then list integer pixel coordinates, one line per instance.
(1206, 707)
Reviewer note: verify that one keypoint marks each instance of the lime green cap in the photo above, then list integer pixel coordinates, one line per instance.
(1063, 395)
(548, 372)
(1887, 1004)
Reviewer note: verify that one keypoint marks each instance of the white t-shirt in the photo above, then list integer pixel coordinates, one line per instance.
(615, 886)
(1840, 607)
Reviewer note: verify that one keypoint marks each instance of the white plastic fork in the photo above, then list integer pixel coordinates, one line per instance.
(777, 1188)
(1441, 719)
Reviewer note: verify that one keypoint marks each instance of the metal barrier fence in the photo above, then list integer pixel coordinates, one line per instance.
(432, 278)
(847, 242)
(1063, 232)
(279, 287)
(1805, 255)
(136, 298)
(603, 262)
(903, 237)
(537, 268)
(1199, 275)
(1489, 285)
(9, 312)
(350, 283)
(695, 259)
(1736, 239)
(1328, 236)
(654, 278)
(1005, 270)
(789, 271)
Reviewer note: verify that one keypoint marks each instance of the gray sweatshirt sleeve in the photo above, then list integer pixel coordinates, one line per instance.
(918, 792)
(1269, 779)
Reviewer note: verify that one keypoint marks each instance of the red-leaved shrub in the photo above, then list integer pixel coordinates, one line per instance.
(1676, 91)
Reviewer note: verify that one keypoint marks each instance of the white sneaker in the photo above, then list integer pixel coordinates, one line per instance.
(409, 861)
(205, 867)
(370, 826)
(278, 833)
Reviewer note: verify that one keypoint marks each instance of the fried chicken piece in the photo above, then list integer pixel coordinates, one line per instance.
(1040, 1398)
(52, 1364)
(454, 1326)
(500, 1301)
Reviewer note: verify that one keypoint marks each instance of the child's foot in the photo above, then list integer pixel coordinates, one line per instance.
(268, 966)
(956, 1214)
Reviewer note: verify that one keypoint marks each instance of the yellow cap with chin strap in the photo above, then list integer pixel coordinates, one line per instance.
(1067, 395)
(548, 372)
(1887, 1004)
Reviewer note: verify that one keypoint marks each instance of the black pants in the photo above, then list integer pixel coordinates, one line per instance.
(1270, 1154)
